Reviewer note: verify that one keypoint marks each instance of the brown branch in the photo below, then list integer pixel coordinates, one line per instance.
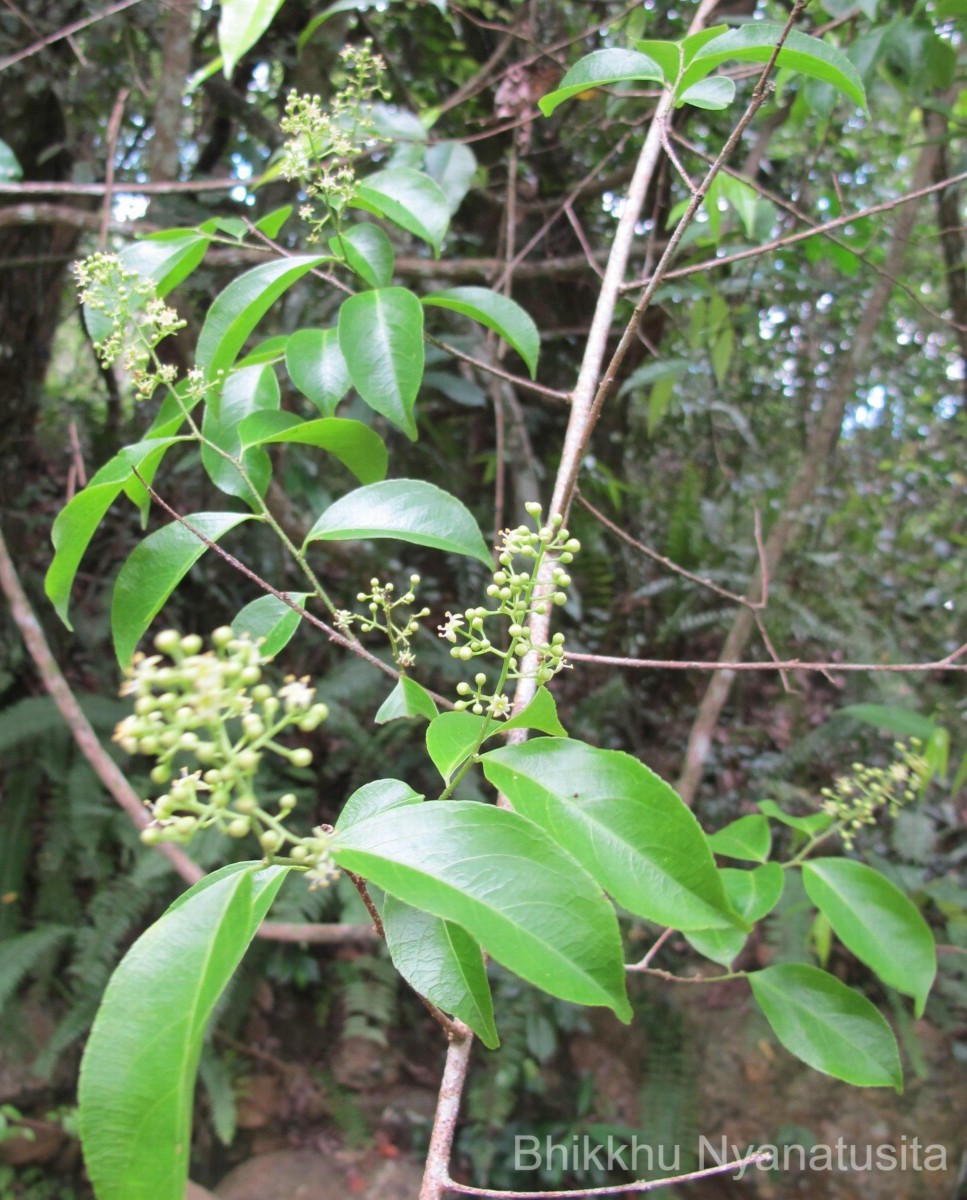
(113, 129)
(702, 580)
(792, 664)
(66, 32)
(617, 1189)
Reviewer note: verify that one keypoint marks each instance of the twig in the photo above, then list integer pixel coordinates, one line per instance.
(618, 1189)
(669, 563)
(490, 368)
(790, 664)
(656, 946)
(66, 32)
(791, 239)
(332, 634)
(113, 129)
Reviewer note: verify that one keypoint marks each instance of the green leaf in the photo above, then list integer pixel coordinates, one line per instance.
(168, 257)
(499, 313)
(442, 962)
(876, 921)
(271, 224)
(317, 368)
(828, 1025)
(668, 55)
(80, 517)
(375, 798)
(154, 569)
(451, 737)
(357, 447)
(600, 69)
(501, 878)
(247, 391)
(540, 714)
(408, 509)
(241, 24)
(381, 338)
(753, 894)
(240, 307)
(622, 823)
(810, 826)
(368, 252)
(755, 42)
(891, 716)
(747, 838)
(138, 1072)
(409, 199)
(272, 620)
(453, 166)
(270, 350)
(10, 169)
(712, 94)
(407, 699)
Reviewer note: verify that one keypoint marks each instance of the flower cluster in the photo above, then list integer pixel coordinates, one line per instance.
(323, 142)
(383, 617)
(215, 709)
(127, 320)
(515, 598)
(854, 800)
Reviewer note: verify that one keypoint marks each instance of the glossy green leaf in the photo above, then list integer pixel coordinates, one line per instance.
(381, 338)
(499, 313)
(755, 42)
(270, 350)
(828, 1025)
(239, 308)
(600, 69)
(810, 826)
(712, 94)
(168, 257)
(753, 894)
(501, 878)
(407, 509)
(747, 838)
(625, 826)
(409, 199)
(903, 721)
(80, 517)
(407, 699)
(540, 714)
(453, 165)
(247, 391)
(357, 447)
(272, 620)
(442, 962)
(317, 368)
(451, 737)
(271, 224)
(154, 569)
(368, 252)
(241, 24)
(876, 921)
(375, 798)
(138, 1072)
(668, 55)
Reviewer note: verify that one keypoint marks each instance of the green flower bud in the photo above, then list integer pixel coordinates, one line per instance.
(301, 757)
(168, 642)
(271, 840)
(239, 827)
(222, 636)
(191, 644)
(248, 760)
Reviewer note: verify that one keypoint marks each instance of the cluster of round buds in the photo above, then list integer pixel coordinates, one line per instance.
(515, 599)
(382, 602)
(213, 708)
(135, 319)
(856, 799)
